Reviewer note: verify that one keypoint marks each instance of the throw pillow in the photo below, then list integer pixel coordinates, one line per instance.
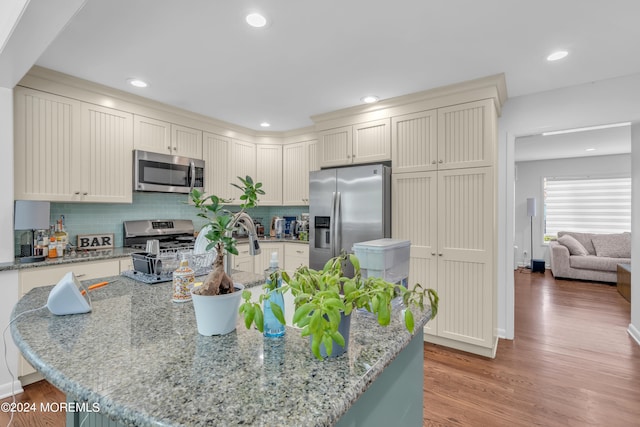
(613, 245)
(575, 247)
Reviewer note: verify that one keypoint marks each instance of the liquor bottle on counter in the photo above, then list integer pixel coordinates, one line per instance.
(61, 236)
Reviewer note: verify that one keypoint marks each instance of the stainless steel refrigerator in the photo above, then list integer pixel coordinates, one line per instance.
(346, 206)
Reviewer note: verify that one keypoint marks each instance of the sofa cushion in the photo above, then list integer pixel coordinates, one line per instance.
(575, 247)
(592, 262)
(583, 238)
(612, 245)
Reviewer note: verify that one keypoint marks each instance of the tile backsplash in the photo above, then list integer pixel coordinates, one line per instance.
(100, 218)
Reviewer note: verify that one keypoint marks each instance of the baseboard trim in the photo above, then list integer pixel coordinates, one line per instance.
(489, 352)
(5, 389)
(634, 332)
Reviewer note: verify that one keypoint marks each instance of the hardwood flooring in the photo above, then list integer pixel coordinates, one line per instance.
(572, 363)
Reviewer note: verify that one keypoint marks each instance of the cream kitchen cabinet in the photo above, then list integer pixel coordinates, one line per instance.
(30, 278)
(295, 255)
(216, 153)
(298, 160)
(244, 260)
(361, 143)
(167, 138)
(269, 173)
(243, 163)
(454, 137)
(66, 150)
(449, 216)
(262, 259)
(107, 143)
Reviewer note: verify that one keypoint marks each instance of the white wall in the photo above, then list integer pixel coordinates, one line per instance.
(606, 101)
(28, 28)
(529, 184)
(634, 327)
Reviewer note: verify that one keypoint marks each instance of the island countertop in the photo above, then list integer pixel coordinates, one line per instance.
(140, 358)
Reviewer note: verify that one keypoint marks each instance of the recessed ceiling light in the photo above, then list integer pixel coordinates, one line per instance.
(265, 124)
(137, 83)
(369, 99)
(557, 55)
(612, 125)
(256, 20)
(590, 149)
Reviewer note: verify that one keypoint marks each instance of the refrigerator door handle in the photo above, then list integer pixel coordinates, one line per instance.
(332, 226)
(337, 228)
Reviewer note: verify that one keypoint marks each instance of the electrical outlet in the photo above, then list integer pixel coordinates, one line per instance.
(524, 253)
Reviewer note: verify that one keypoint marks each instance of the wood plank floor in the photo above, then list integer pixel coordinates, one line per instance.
(572, 364)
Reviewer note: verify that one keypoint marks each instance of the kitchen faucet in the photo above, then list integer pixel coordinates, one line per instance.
(243, 220)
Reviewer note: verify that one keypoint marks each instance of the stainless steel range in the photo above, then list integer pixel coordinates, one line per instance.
(175, 237)
(171, 233)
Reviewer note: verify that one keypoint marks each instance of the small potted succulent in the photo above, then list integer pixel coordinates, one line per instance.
(325, 299)
(218, 288)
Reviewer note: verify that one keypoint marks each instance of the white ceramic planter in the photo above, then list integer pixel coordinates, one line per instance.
(217, 314)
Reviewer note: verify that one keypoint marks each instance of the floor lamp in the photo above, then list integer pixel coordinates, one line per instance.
(531, 212)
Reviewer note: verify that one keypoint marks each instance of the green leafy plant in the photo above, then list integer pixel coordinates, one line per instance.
(321, 296)
(222, 222)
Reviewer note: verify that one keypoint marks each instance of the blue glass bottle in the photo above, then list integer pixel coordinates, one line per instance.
(272, 326)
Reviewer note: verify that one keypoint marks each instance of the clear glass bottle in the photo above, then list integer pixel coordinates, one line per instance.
(272, 326)
(183, 279)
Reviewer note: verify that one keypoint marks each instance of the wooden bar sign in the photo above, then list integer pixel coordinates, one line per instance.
(95, 241)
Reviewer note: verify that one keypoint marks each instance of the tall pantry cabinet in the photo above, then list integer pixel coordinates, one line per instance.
(444, 201)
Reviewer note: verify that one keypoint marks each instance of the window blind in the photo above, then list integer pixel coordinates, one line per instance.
(588, 205)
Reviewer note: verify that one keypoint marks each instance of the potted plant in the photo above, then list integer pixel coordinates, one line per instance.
(218, 288)
(325, 299)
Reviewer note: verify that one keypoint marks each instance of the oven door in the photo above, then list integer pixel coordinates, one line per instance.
(166, 174)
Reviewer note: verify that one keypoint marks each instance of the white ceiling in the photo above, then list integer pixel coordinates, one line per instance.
(320, 56)
(601, 142)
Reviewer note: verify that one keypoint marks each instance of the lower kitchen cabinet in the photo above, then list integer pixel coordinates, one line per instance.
(262, 259)
(295, 255)
(31, 278)
(244, 260)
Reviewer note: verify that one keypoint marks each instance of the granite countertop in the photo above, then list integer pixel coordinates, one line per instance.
(81, 256)
(140, 358)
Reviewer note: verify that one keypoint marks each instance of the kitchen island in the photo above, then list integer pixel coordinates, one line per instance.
(137, 359)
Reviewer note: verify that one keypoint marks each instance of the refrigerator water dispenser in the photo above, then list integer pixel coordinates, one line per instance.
(322, 232)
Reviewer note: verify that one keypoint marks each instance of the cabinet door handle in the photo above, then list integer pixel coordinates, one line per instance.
(80, 275)
(433, 254)
(77, 193)
(440, 254)
(300, 252)
(85, 194)
(175, 148)
(440, 161)
(433, 162)
(169, 147)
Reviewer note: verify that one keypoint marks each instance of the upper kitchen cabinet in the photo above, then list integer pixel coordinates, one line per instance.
(466, 135)
(455, 137)
(361, 143)
(167, 138)
(243, 163)
(107, 143)
(216, 152)
(269, 173)
(414, 141)
(298, 160)
(66, 150)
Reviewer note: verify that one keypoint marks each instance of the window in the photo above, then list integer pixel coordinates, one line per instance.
(588, 205)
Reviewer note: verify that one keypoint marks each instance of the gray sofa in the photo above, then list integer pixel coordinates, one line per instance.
(586, 256)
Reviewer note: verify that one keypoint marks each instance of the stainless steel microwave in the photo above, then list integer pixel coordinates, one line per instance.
(166, 173)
